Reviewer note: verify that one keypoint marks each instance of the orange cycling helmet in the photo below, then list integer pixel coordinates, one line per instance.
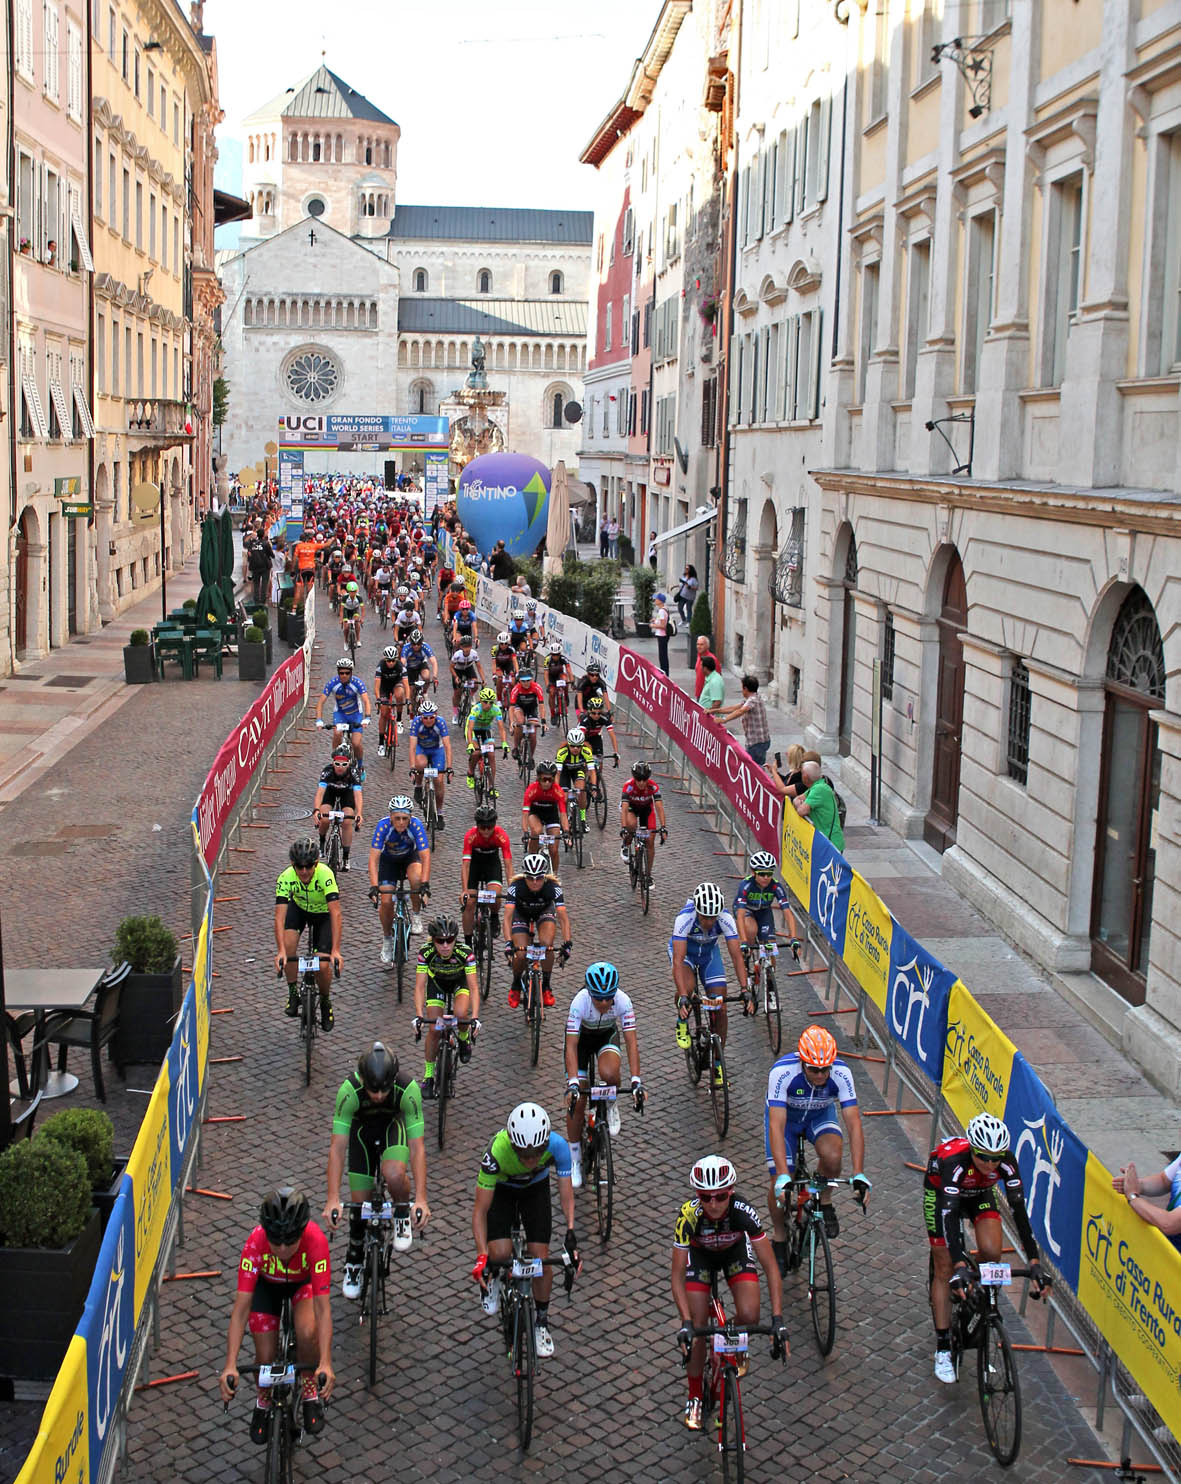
(817, 1047)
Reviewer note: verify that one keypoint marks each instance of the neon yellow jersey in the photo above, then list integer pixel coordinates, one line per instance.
(574, 757)
(315, 896)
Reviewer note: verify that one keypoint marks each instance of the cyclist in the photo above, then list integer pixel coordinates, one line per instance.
(543, 812)
(285, 1257)
(535, 906)
(575, 762)
(407, 619)
(377, 1123)
(641, 794)
(754, 906)
(592, 684)
(352, 609)
(400, 850)
(445, 968)
(306, 895)
(382, 583)
(486, 861)
(418, 656)
(340, 790)
(525, 701)
(694, 953)
(599, 1013)
(805, 1087)
(389, 685)
(304, 559)
(718, 1232)
(504, 665)
(960, 1184)
(512, 1187)
(484, 715)
(350, 708)
(521, 632)
(466, 669)
(558, 680)
(430, 747)
(596, 720)
(451, 603)
(465, 622)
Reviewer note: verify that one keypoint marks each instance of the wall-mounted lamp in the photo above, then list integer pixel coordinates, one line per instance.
(153, 46)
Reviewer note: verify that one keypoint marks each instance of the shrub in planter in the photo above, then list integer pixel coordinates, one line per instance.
(138, 637)
(252, 654)
(91, 1133)
(598, 595)
(146, 944)
(261, 619)
(152, 992)
(44, 1194)
(702, 621)
(643, 586)
(190, 604)
(627, 552)
(139, 658)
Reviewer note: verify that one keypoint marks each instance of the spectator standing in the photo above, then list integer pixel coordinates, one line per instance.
(500, 564)
(713, 692)
(660, 629)
(652, 550)
(613, 538)
(791, 786)
(703, 649)
(1166, 1182)
(756, 731)
(687, 592)
(604, 537)
(819, 804)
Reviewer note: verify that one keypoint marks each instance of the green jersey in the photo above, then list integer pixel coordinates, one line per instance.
(444, 975)
(354, 1105)
(484, 718)
(502, 1164)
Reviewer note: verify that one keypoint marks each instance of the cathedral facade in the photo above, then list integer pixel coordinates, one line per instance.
(338, 300)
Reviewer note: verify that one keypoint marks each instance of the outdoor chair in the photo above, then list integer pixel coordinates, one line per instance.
(207, 645)
(93, 1029)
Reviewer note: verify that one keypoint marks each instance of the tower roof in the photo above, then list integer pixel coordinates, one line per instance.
(493, 224)
(322, 96)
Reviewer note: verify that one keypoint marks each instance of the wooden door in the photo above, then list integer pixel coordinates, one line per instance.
(939, 825)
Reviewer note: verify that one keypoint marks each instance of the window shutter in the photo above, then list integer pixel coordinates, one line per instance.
(801, 164)
(758, 175)
(791, 342)
(744, 203)
(818, 339)
(788, 167)
(823, 145)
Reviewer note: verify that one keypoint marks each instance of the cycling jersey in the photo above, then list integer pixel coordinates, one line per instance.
(305, 555)
(547, 798)
(760, 901)
(429, 738)
(555, 667)
(527, 697)
(593, 723)
(337, 785)
(531, 906)
(504, 656)
(383, 577)
(346, 695)
(309, 1264)
(398, 843)
(315, 896)
(520, 633)
(574, 759)
(354, 1106)
(465, 621)
(954, 1188)
(811, 1109)
(444, 975)
(502, 1165)
(468, 661)
(483, 718)
(478, 846)
(350, 606)
(714, 1235)
(588, 687)
(640, 796)
(387, 675)
(688, 929)
(584, 1014)
(415, 659)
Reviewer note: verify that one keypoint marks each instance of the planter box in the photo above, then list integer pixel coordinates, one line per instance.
(139, 663)
(282, 615)
(296, 629)
(270, 633)
(104, 1196)
(252, 661)
(42, 1295)
(148, 1009)
(643, 630)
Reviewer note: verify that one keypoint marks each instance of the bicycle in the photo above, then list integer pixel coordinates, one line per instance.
(352, 637)
(309, 996)
(282, 1379)
(577, 831)
(430, 804)
(482, 939)
(979, 1325)
(760, 967)
(389, 733)
(559, 702)
(525, 750)
(531, 1000)
(446, 1056)
(378, 1215)
(598, 1163)
(518, 1321)
(723, 1394)
(705, 1053)
(333, 846)
(596, 793)
(383, 607)
(401, 924)
(466, 696)
(808, 1241)
(482, 774)
(638, 871)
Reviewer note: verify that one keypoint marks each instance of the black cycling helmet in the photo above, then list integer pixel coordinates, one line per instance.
(378, 1069)
(641, 772)
(304, 852)
(284, 1214)
(547, 767)
(486, 816)
(342, 753)
(443, 927)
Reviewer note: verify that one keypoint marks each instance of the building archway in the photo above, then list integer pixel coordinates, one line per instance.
(766, 616)
(939, 826)
(30, 554)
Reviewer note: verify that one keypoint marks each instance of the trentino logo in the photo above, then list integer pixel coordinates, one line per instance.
(534, 493)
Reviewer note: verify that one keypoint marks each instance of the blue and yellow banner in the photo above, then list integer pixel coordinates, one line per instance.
(977, 1061)
(108, 1324)
(150, 1168)
(828, 895)
(61, 1453)
(795, 864)
(916, 1002)
(184, 1087)
(869, 929)
(202, 982)
(1053, 1162)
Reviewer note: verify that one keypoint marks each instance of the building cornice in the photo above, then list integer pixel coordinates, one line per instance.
(112, 123)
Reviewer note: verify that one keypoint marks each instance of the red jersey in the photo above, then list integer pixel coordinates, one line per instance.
(531, 692)
(536, 794)
(475, 843)
(309, 1264)
(641, 793)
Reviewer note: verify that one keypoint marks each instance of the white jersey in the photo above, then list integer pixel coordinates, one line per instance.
(463, 661)
(586, 1016)
(688, 927)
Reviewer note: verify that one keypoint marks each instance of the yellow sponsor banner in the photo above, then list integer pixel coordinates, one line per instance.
(201, 982)
(61, 1453)
(978, 1061)
(150, 1168)
(470, 578)
(868, 929)
(795, 863)
(1129, 1281)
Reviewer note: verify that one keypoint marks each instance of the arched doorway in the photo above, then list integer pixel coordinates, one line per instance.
(848, 649)
(24, 540)
(940, 824)
(766, 616)
(1129, 797)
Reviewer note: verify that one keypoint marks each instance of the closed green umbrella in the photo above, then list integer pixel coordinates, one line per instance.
(226, 537)
(211, 600)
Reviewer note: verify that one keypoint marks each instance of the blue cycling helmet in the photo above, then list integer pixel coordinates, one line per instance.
(602, 979)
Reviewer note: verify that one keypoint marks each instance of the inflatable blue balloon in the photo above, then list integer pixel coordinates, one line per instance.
(504, 497)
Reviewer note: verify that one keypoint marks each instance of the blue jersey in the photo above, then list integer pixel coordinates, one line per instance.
(429, 737)
(347, 694)
(758, 899)
(415, 659)
(688, 928)
(400, 842)
(788, 1087)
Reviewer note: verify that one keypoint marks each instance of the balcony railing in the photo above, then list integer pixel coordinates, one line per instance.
(164, 418)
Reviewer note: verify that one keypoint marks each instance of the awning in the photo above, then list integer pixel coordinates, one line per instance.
(703, 517)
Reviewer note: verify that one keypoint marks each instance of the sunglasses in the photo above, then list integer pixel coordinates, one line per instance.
(444, 940)
(987, 1159)
(816, 1071)
(717, 1199)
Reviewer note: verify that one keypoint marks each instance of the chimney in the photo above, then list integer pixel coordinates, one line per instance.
(197, 16)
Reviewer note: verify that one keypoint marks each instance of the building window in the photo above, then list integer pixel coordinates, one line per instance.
(888, 658)
(555, 282)
(312, 376)
(918, 291)
(1063, 262)
(484, 281)
(100, 353)
(879, 68)
(977, 295)
(127, 205)
(709, 412)
(645, 408)
(125, 58)
(51, 53)
(870, 280)
(139, 214)
(607, 326)
(1017, 751)
(421, 281)
(73, 71)
(317, 206)
(557, 407)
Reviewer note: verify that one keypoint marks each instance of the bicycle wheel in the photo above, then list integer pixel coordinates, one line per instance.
(400, 937)
(275, 1444)
(731, 1441)
(692, 1058)
(633, 872)
(334, 854)
(771, 1003)
(601, 804)
(524, 1361)
(442, 1081)
(604, 1168)
(822, 1289)
(534, 1017)
(485, 929)
(578, 829)
(644, 883)
(719, 1091)
(309, 1030)
(1000, 1391)
(373, 1306)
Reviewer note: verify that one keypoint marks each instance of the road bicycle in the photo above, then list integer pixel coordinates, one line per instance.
(425, 779)
(596, 794)
(576, 836)
(518, 1320)
(389, 733)
(418, 688)
(808, 1245)
(377, 1214)
(532, 1001)
(705, 1053)
(446, 1055)
(466, 696)
(482, 938)
(760, 970)
(598, 1161)
(332, 848)
(282, 1379)
(978, 1324)
(309, 998)
(721, 1392)
(638, 871)
(544, 843)
(526, 748)
(482, 775)
(352, 637)
(382, 604)
(401, 925)
(559, 702)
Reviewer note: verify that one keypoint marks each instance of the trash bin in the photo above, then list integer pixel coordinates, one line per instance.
(617, 620)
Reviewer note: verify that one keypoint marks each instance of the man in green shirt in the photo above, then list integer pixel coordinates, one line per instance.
(819, 804)
(713, 692)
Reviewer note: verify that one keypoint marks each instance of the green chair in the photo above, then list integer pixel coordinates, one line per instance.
(207, 646)
(175, 644)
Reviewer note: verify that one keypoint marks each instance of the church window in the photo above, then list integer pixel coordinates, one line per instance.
(421, 281)
(312, 376)
(387, 156)
(251, 154)
(555, 282)
(557, 410)
(293, 150)
(484, 281)
(317, 206)
(316, 149)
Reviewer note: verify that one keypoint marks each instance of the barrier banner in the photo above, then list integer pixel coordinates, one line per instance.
(916, 1008)
(242, 751)
(184, 1082)
(795, 856)
(61, 1453)
(709, 747)
(202, 982)
(1130, 1283)
(868, 930)
(977, 1061)
(150, 1168)
(108, 1326)
(828, 894)
(1053, 1162)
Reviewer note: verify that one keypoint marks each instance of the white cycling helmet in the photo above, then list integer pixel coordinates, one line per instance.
(536, 864)
(761, 860)
(504, 637)
(556, 648)
(708, 899)
(712, 1174)
(988, 1135)
(401, 804)
(576, 736)
(428, 708)
(389, 652)
(528, 1127)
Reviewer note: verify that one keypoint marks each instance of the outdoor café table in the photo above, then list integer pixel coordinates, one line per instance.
(44, 991)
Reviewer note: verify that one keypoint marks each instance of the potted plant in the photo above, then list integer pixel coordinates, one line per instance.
(152, 992)
(252, 654)
(24, 245)
(91, 1132)
(643, 586)
(701, 621)
(296, 627)
(139, 658)
(261, 619)
(627, 552)
(50, 1234)
(286, 603)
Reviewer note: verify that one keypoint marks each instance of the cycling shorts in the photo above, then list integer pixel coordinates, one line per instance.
(642, 809)
(266, 1303)
(594, 740)
(736, 1264)
(435, 756)
(387, 686)
(764, 918)
(321, 924)
(527, 924)
(705, 962)
(822, 1121)
(485, 869)
(571, 774)
(527, 706)
(591, 1042)
(545, 812)
(372, 1140)
(349, 719)
(975, 1206)
(392, 868)
(530, 1203)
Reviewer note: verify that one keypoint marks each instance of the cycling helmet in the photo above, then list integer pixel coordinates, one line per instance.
(401, 804)
(602, 979)
(641, 772)
(504, 637)
(531, 607)
(443, 927)
(304, 852)
(988, 1135)
(714, 1174)
(353, 588)
(377, 1069)
(535, 864)
(528, 1127)
(761, 860)
(487, 695)
(525, 676)
(576, 736)
(402, 591)
(817, 1047)
(416, 636)
(547, 768)
(708, 899)
(465, 605)
(390, 652)
(428, 708)
(284, 1214)
(595, 703)
(342, 754)
(344, 663)
(594, 668)
(485, 816)
(556, 648)
(457, 585)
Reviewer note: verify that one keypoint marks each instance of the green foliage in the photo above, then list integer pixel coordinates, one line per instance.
(253, 635)
(627, 552)
(584, 590)
(91, 1133)
(221, 401)
(260, 618)
(44, 1193)
(598, 595)
(146, 944)
(530, 569)
(287, 601)
(190, 604)
(702, 621)
(139, 637)
(644, 582)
